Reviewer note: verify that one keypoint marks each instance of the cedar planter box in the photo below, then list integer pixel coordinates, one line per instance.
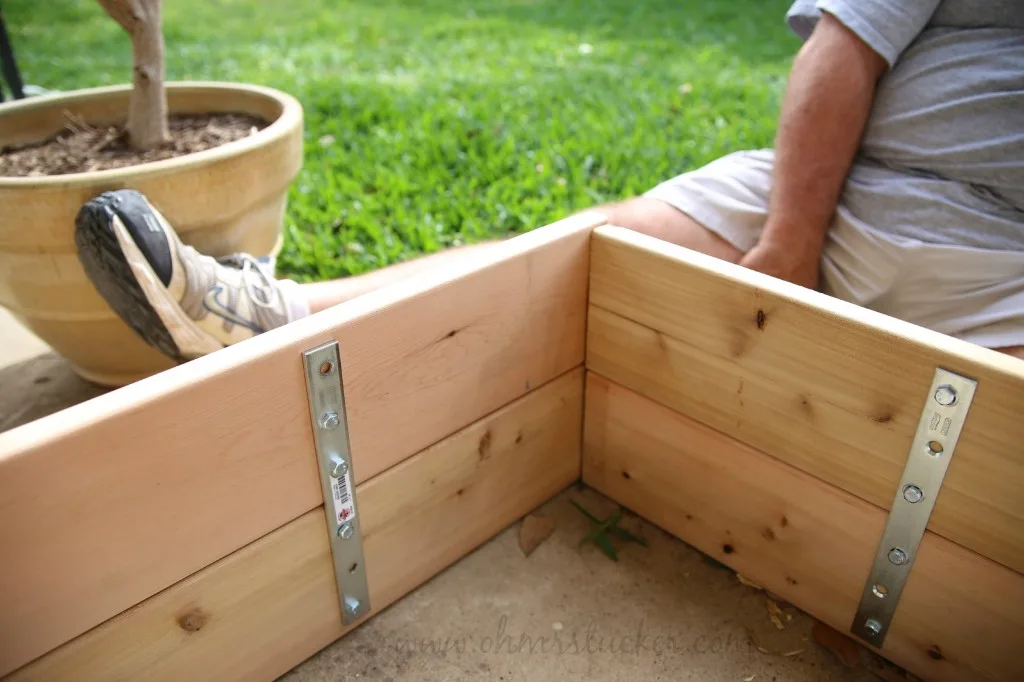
(176, 528)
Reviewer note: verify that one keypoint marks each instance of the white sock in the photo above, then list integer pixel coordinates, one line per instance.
(296, 303)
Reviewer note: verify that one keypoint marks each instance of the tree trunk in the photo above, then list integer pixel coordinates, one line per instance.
(147, 110)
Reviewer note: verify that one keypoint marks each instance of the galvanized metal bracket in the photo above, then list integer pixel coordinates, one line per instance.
(942, 418)
(326, 393)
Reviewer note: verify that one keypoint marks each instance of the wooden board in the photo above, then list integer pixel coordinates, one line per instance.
(106, 503)
(831, 388)
(961, 616)
(260, 611)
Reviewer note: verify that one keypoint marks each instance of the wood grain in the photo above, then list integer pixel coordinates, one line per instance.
(263, 609)
(961, 616)
(831, 388)
(106, 503)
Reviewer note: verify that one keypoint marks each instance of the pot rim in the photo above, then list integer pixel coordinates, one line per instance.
(282, 126)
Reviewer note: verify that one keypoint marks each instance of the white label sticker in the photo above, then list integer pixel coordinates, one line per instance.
(344, 504)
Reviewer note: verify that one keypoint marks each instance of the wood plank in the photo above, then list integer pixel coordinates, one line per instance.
(961, 616)
(827, 386)
(260, 611)
(106, 503)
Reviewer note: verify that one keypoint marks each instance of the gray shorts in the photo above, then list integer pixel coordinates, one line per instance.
(971, 293)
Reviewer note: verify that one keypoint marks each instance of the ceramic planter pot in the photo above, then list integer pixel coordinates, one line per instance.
(229, 198)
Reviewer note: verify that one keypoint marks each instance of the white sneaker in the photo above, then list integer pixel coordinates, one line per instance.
(175, 298)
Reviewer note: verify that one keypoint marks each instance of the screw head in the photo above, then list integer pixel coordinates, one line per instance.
(346, 531)
(329, 420)
(873, 626)
(339, 467)
(945, 395)
(351, 606)
(897, 557)
(913, 494)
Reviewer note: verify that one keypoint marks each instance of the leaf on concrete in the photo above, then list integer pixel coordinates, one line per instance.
(605, 544)
(585, 512)
(533, 531)
(844, 648)
(623, 534)
(600, 530)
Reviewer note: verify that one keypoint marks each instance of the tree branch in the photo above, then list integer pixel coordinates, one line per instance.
(147, 110)
(125, 12)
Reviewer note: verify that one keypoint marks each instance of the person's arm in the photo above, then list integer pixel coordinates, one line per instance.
(824, 112)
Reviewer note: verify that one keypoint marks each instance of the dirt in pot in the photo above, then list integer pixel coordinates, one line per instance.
(81, 148)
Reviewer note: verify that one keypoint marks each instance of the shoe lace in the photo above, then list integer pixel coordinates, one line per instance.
(259, 285)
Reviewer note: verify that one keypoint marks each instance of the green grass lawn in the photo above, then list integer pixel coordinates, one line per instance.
(437, 122)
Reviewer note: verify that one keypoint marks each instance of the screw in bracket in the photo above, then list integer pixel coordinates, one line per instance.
(329, 420)
(352, 606)
(346, 531)
(873, 626)
(913, 494)
(339, 467)
(945, 395)
(897, 557)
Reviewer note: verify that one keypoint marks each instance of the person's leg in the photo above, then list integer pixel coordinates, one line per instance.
(188, 304)
(322, 295)
(656, 218)
(1015, 351)
(643, 214)
(731, 193)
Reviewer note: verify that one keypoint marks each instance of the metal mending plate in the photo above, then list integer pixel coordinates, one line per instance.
(326, 395)
(942, 418)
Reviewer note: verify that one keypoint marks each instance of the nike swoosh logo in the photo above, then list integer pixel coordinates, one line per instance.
(213, 303)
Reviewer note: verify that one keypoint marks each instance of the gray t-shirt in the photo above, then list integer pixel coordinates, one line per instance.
(950, 108)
